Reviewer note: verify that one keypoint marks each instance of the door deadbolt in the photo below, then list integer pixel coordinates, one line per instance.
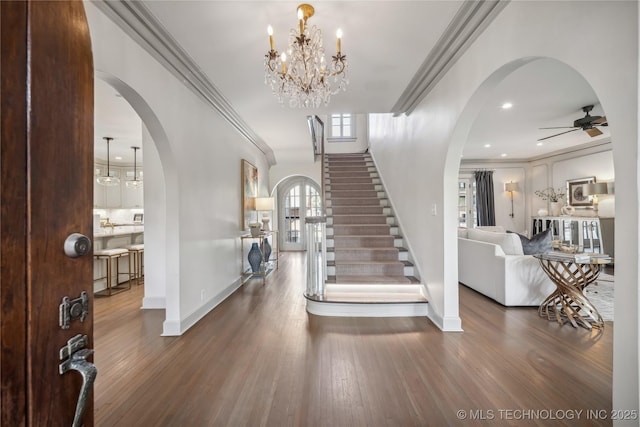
(77, 245)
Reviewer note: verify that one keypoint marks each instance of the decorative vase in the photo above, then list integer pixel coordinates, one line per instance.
(554, 208)
(266, 249)
(255, 229)
(255, 257)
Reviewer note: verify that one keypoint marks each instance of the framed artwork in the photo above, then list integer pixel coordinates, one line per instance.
(575, 197)
(249, 185)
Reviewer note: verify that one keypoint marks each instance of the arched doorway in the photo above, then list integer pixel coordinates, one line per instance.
(298, 198)
(160, 189)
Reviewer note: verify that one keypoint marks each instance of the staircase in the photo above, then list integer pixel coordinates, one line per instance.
(367, 264)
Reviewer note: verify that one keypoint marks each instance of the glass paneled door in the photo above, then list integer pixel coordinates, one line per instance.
(467, 214)
(301, 199)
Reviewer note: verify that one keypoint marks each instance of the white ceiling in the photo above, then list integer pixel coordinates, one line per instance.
(385, 43)
(544, 93)
(115, 118)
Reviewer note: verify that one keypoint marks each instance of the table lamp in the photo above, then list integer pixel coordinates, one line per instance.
(594, 189)
(264, 204)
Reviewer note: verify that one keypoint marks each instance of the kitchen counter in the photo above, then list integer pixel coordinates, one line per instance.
(118, 237)
(119, 230)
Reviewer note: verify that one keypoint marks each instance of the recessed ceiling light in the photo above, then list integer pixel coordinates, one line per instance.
(118, 157)
(503, 155)
(507, 105)
(487, 145)
(539, 144)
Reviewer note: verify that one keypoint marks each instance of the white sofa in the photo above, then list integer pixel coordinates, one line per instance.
(493, 263)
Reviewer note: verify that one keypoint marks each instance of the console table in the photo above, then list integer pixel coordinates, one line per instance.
(267, 265)
(567, 302)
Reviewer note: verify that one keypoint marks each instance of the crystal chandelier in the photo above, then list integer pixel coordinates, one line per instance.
(301, 74)
(108, 180)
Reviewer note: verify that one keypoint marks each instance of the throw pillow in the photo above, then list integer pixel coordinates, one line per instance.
(540, 243)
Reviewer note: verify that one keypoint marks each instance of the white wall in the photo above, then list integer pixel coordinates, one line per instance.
(282, 171)
(419, 155)
(359, 145)
(200, 155)
(155, 202)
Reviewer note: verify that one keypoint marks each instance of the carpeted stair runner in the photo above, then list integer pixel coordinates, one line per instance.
(363, 240)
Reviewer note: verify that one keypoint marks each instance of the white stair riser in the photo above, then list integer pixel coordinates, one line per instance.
(367, 309)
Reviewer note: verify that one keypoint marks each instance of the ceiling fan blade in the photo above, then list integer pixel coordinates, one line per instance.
(559, 127)
(601, 121)
(558, 134)
(593, 132)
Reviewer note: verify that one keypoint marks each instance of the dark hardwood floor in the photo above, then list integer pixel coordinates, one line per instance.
(259, 359)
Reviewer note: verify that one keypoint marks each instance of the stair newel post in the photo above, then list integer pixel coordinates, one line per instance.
(316, 256)
(322, 165)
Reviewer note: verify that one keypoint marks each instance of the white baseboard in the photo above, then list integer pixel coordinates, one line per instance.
(153, 303)
(176, 328)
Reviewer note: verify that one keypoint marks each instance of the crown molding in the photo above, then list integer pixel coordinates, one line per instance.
(470, 21)
(137, 21)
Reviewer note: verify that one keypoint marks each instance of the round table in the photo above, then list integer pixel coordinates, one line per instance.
(568, 303)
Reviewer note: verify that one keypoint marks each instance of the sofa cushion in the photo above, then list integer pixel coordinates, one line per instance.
(509, 242)
(540, 243)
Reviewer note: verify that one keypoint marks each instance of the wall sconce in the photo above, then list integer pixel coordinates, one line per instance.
(510, 187)
(264, 204)
(594, 189)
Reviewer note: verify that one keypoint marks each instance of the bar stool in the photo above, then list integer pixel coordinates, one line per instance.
(109, 255)
(137, 251)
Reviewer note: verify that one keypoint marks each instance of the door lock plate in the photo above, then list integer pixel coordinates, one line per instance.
(72, 309)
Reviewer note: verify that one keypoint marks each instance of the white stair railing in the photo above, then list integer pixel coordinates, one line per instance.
(316, 227)
(316, 256)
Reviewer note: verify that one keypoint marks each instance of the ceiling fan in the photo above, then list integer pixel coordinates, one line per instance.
(586, 123)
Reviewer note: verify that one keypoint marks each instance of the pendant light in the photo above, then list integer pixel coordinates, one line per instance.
(136, 183)
(108, 180)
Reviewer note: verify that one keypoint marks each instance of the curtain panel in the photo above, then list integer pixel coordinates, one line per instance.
(485, 205)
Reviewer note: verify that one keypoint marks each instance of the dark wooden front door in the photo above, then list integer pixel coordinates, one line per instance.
(46, 189)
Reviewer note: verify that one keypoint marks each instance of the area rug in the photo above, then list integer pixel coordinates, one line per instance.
(600, 293)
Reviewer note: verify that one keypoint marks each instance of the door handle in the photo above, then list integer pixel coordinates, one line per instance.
(76, 355)
(77, 245)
